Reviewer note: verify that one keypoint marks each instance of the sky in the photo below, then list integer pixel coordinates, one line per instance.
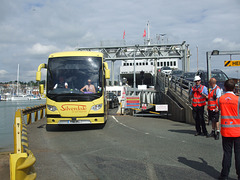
(30, 30)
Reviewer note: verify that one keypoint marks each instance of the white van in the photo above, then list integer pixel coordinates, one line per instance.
(120, 91)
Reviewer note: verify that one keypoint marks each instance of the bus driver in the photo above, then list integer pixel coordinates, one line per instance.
(61, 83)
(89, 87)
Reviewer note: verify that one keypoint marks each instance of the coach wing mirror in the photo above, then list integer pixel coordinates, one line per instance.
(38, 73)
(38, 76)
(41, 89)
(107, 71)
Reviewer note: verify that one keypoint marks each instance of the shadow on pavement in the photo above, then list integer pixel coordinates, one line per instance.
(83, 127)
(183, 131)
(200, 166)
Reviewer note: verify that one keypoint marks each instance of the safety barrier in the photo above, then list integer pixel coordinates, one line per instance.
(146, 97)
(22, 160)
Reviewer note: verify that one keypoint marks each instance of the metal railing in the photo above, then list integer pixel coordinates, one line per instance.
(22, 160)
(180, 86)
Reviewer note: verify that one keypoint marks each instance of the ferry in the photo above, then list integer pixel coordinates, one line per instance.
(145, 69)
(148, 66)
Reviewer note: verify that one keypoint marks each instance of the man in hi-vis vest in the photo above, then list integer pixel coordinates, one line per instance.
(229, 105)
(198, 94)
(213, 113)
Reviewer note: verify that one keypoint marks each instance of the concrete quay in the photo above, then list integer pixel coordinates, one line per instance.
(126, 148)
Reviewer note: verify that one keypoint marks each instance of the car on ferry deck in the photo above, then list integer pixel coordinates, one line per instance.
(218, 74)
(176, 75)
(112, 100)
(166, 70)
(187, 78)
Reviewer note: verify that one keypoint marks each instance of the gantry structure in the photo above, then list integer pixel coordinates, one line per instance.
(136, 52)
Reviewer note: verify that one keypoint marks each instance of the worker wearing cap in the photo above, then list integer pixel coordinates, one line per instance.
(198, 94)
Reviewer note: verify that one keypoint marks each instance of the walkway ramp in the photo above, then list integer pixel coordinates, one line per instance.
(176, 94)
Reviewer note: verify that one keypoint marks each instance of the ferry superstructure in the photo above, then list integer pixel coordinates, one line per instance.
(148, 66)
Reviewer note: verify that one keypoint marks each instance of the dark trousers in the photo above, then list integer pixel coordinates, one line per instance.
(213, 116)
(227, 144)
(198, 113)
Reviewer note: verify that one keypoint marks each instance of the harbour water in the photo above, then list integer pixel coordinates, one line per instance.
(7, 114)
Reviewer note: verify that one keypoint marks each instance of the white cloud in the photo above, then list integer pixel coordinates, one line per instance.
(42, 49)
(217, 40)
(225, 44)
(3, 72)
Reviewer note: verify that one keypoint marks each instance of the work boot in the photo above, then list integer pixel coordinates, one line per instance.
(207, 135)
(212, 134)
(217, 136)
(197, 134)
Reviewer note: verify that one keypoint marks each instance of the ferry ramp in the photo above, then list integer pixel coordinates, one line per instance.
(172, 91)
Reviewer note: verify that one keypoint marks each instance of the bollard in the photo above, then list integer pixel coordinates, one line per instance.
(29, 118)
(41, 113)
(36, 116)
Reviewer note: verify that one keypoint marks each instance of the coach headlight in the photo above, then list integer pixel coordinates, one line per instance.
(96, 107)
(51, 108)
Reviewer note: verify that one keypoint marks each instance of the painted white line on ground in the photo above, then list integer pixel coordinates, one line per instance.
(124, 124)
(117, 121)
(161, 137)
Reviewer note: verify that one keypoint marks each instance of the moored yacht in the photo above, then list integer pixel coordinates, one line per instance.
(20, 97)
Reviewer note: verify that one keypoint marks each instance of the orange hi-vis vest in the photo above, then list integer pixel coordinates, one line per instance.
(211, 101)
(229, 105)
(198, 98)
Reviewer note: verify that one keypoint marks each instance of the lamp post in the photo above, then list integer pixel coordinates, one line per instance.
(197, 57)
(208, 56)
(134, 69)
(112, 69)
(208, 68)
(134, 73)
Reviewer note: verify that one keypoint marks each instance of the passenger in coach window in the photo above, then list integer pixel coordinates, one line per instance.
(89, 87)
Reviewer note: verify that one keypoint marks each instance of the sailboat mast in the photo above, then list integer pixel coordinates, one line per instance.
(17, 79)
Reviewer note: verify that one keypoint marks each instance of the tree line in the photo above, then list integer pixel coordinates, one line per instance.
(30, 83)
